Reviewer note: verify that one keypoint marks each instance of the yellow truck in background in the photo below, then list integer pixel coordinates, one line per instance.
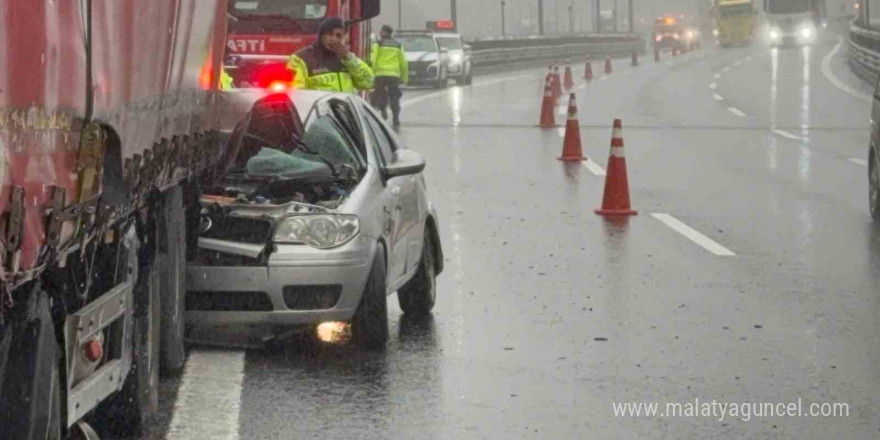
(735, 21)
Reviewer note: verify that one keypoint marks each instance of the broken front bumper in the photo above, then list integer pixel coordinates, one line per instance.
(300, 287)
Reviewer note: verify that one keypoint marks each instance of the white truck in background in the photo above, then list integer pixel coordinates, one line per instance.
(797, 22)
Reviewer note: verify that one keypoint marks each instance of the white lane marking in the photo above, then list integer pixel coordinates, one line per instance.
(861, 162)
(726, 69)
(787, 135)
(736, 111)
(749, 58)
(209, 399)
(713, 86)
(561, 131)
(826, 70)
(583, 87)
(717, 97)
(738, 63)
(563, 111)
(603, 78)
(717, 75)
(698, 238)
(594, 167)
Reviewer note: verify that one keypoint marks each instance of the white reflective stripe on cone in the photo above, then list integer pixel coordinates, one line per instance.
(617, 152)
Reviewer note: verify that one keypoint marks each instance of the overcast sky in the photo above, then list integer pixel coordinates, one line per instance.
(483, 17)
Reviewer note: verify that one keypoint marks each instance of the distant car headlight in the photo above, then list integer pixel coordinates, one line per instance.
(455, 58)
(691, 35)
(807, 32)
(715, 32)
(774, 34)
(322, 231)
(659, 38)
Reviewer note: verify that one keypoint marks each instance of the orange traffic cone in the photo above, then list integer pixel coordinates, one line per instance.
(572, 150)
(569, 81)
(588, 70)
(616, 199)
(608, 68)
(635, 59)
(548, 117)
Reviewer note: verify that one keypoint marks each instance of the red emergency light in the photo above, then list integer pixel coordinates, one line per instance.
(441, 25)
(275, 77)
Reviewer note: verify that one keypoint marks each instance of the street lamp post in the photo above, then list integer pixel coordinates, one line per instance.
(631, 16)
(540, 17)
(571, 18)
(399, 14)
(599, 16)
(453, 12)
(503, 24)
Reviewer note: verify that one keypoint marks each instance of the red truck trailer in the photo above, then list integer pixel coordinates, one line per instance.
(263, 34)
(109, 110)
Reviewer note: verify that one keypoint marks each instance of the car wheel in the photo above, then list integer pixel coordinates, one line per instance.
(418, 296)
(369, 326)
(874, 186)
(470, 78)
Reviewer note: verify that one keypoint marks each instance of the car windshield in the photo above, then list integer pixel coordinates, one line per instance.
(323, 147)
(451, 43)
(735, 10)
(417, 44)
(787, 6)
(296, 9)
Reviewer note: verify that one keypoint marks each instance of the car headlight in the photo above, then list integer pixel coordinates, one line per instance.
(715, 32)
(690, 35)
(455, 59)
(322, 231)
(807, 32)
(774, 34)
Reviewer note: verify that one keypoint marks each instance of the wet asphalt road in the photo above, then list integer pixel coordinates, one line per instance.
(548, 314)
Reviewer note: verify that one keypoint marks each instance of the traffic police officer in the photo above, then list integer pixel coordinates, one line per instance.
(391, 68)
(328, 65)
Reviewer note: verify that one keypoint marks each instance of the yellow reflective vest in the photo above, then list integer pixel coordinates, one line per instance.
(316, 68)
(389, 59)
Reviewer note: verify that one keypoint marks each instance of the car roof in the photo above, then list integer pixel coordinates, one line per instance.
(241, 101)
(426, 33)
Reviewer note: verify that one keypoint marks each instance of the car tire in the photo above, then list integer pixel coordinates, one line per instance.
(874, 186)
(172, 267)
(419, 295)
(469, 79)
(369, 326)
(127, 412)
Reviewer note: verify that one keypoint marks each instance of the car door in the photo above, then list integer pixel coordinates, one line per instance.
(403, 209)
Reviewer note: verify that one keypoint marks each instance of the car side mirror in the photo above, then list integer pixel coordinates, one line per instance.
(404, 163)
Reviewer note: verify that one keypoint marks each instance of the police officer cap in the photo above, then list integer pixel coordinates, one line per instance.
(387, 29)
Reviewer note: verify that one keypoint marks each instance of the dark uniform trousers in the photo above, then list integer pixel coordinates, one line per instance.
(387, 92)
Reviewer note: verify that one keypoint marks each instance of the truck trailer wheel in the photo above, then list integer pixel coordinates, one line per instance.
(30, 382)
(127, 412)
(172, 267)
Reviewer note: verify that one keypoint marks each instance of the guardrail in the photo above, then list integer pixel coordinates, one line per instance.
(487, 54)
(864, 52)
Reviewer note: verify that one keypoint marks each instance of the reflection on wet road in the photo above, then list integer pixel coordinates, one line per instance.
(548, 314)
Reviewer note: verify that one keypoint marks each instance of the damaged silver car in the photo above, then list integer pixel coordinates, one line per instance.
(311, 221)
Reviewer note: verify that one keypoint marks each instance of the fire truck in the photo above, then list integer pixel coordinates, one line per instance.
(264, 33)
(109, 111)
